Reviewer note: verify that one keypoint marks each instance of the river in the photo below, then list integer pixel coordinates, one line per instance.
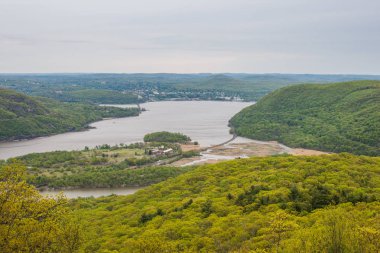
(92, 192)
(204, 121)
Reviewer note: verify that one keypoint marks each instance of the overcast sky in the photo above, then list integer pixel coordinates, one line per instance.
(189, 36)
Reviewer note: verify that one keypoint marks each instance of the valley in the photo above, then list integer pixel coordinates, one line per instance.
(180, 178)
(244, 126)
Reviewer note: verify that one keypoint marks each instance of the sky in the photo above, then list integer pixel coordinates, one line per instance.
(190, 36)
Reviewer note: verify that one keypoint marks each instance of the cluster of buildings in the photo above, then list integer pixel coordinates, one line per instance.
(160, 151)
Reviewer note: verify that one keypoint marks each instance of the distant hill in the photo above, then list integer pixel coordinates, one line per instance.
(340, 117)
(126, 88)
(14, 105)
(23, 116)
(221, 82)
(100, 97)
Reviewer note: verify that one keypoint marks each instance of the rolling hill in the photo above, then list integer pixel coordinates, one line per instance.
(97, 96)
(14, 105)
(339, 117)
(23, 116)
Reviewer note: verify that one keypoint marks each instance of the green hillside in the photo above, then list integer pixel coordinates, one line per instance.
(98, 96)
(324, 203)
(22, 116)
(340, 117)
(221, 82)
(14, 105)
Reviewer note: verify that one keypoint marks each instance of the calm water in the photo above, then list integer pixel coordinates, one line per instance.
(204, 121)
(96, 192)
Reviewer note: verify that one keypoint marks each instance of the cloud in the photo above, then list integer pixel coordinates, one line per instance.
(315, 36)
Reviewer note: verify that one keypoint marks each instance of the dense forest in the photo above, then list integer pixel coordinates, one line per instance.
(23, 116)
(324, 203)
(30, 222)
(340, 117)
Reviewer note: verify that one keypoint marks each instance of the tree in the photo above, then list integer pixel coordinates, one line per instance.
(30, 222)
(280, 225)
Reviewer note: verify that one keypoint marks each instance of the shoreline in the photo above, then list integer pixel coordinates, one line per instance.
(84, 129)
(88, 127)
(200, 127)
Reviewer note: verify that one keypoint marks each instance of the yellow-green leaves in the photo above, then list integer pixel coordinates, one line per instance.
(30, 222)
(273, 204)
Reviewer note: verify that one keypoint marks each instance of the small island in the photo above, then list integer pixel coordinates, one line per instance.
(167, 137)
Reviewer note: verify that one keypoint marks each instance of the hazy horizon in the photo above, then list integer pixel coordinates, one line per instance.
(178, 73)
(215, 36)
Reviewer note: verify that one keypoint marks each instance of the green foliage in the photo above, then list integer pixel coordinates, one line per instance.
(14, 105)
(341, 117)
(327, 203)
(105, 166)
(108, 176)
(30, 222)
(166, 137)
(23, 117)
(100, 97)
(147, 217)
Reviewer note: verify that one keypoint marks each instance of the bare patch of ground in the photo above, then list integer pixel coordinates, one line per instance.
(248, 149)
(241, 148)
(189, 147)
(197, 160)
(301, 151)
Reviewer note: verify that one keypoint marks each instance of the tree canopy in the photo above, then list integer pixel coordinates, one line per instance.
(23, 116)
(30, 222)
(166, 137)
(328, 203)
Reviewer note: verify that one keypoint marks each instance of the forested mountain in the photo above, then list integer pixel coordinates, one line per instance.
(339, 117)
(274, 204)
(22, 116)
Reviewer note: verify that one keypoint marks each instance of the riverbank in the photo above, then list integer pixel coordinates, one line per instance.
(204, 121)
(235, 148)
